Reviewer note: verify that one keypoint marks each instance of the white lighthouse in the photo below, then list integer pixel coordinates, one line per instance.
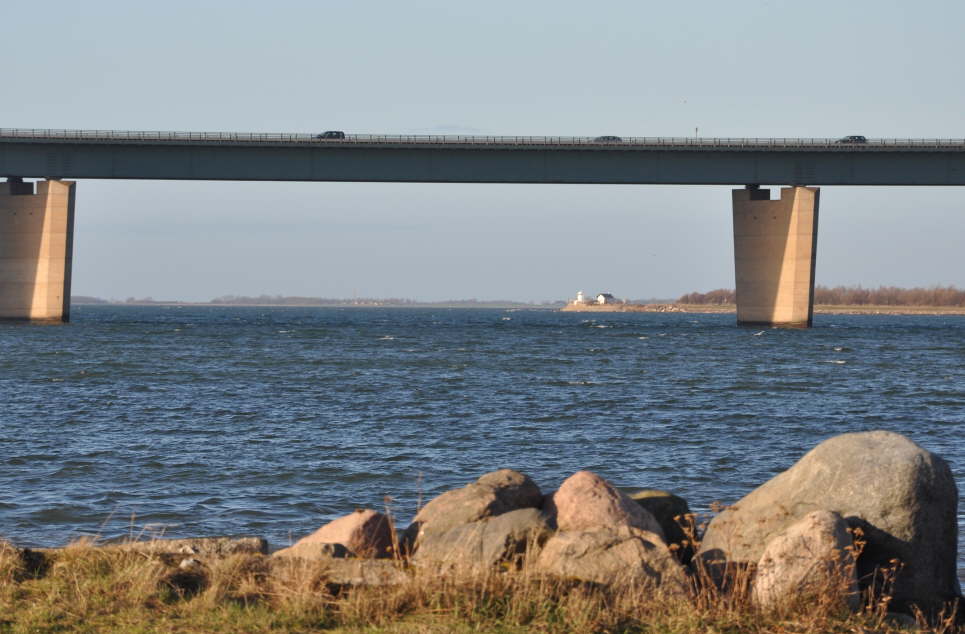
(579, 298)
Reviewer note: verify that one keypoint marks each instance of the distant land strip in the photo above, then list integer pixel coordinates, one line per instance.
(285, 300)
(883, 296)
(837, 299)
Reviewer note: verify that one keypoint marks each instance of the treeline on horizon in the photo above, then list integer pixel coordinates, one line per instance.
(287, 300)
(280, 300)
(852, 296)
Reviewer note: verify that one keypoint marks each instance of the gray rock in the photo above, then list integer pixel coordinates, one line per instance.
(585, 502)
(902, 621)
(314, 550)
(811, 558)
(621, 555)
(190, 564)
(485, 543)
(338, 574)
(365, 533)
(902, 497)
(491, 495)
(672, 513)
(364, 572)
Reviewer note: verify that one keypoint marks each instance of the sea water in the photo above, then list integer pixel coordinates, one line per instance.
(197, 421)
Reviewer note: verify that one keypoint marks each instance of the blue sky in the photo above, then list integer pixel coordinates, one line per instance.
(769, 68)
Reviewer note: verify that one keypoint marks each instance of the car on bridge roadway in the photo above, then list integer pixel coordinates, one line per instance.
(854, 138)
(331, 134)
(608, 138)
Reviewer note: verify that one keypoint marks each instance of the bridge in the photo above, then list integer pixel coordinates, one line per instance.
(775, 241)
(478, 159)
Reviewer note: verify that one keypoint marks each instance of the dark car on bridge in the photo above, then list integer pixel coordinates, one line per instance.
(331, 134)
(854, 138)
(608, 138)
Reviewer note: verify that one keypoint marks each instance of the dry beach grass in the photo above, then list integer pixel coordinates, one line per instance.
(87, 588)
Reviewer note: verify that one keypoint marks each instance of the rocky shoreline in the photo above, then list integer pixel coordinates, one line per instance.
(867, 517)
(624, 308)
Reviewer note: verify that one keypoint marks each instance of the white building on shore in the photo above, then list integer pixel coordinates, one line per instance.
(600, 299)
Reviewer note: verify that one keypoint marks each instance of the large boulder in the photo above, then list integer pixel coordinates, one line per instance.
(673, 514)
(365, 533)
(485, 543)
(585, 502)
(902, 497)
(615, 556)
(492, 494)
(813, 557)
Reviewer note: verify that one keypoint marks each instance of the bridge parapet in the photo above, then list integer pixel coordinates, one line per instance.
(52, 135)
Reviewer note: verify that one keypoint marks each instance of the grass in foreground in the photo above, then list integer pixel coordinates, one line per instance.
(88, 589)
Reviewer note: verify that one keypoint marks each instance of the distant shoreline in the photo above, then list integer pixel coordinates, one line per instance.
(819, 309)
(479, 305)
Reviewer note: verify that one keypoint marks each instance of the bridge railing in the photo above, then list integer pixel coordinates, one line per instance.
(248, 138)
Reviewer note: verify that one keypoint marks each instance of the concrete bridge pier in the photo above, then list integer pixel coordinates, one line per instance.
(36, 245)
(775, 242)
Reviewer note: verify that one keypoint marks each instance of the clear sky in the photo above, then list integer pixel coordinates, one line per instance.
(631, 68)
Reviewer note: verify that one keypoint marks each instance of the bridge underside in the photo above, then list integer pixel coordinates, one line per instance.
(774, 252)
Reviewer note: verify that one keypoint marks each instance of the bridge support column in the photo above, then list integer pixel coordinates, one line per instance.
(36, 244)
(775, 242)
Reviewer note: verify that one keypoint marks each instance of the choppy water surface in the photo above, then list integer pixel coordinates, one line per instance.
(205, 421)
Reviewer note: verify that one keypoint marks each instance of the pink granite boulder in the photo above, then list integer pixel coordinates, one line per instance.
(365, 533)
(587, 502)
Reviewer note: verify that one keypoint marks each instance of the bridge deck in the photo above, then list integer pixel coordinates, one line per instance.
(112, 154)
(22, 135)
